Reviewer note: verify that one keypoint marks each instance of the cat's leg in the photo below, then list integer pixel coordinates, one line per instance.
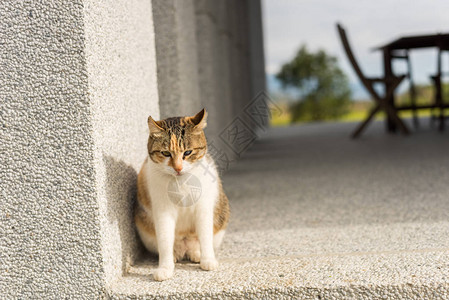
(165, 233)
(193, 246)
(180, 248)
(148, 239)
(218, 238)
(193, 249)
(204, 228)
(145, 229)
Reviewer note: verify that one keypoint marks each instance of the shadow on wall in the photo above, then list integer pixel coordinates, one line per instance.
(121, 195)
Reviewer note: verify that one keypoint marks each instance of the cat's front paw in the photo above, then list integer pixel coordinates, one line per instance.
(209, 264)
(194, 256)
(161, 274)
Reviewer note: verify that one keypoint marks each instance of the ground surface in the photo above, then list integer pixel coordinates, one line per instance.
(318, 215)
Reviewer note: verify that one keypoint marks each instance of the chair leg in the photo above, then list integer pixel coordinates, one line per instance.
(412, 92)
(362, 126)
(401, 125)
(391, 125)
(415, 111)
(415, 119)
(393, 115)
(432, 117)
(442, 116)
(390, 110)
(441, 119)
(439, 100)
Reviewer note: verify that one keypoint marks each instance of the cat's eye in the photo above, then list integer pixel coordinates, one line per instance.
(187, 153)
(166, 153)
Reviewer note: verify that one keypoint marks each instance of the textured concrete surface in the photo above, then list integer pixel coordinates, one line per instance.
(49, 230)
(121, 69)
(316, 215)
(78, 80)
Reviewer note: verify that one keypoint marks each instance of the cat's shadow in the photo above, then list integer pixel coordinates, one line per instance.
(145, 266)
(121, 195)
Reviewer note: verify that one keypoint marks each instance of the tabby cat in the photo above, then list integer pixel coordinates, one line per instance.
(182, 210)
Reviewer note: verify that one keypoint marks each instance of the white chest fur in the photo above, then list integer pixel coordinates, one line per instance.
(184, 198)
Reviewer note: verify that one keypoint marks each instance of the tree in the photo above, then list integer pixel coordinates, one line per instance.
(322, 86)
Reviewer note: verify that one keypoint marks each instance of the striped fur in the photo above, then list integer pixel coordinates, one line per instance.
(176, 136)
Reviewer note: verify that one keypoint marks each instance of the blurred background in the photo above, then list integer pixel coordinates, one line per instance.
(307, 30)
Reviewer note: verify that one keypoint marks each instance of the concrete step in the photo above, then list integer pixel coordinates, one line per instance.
(392, 261)
(316, 215)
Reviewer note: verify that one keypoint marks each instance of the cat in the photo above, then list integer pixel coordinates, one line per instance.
(189, 222)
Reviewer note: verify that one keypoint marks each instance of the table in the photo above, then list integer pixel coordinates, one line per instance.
(393, 50)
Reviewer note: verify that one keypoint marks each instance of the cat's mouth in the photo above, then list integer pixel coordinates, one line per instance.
(182, 173)
(176, 173)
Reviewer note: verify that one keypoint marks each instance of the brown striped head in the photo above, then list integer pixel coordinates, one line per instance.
(176, 144)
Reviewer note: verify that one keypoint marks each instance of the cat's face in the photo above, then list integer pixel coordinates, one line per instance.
(176, 144)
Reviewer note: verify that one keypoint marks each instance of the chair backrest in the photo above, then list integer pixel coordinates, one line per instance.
(353, 61)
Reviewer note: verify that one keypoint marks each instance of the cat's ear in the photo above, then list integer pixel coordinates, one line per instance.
(155, 129)
(200, 119)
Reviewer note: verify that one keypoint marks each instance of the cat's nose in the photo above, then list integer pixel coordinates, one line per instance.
(177, 163)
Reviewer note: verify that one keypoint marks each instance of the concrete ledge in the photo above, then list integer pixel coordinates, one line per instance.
(397, 274)
(316, 215)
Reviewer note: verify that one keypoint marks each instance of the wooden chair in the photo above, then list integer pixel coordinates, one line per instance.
(368, 83)
(438, 98)
(404, 55)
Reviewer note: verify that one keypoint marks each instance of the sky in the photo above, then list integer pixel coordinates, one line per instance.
(290, 23)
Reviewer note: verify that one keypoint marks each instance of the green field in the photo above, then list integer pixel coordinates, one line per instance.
(357, 113)
(360, 109)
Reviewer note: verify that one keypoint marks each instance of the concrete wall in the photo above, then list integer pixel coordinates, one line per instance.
(121, 70)
(210, 54)
(177, 61)
(49, 214)
(210, 62)
(78, 80)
